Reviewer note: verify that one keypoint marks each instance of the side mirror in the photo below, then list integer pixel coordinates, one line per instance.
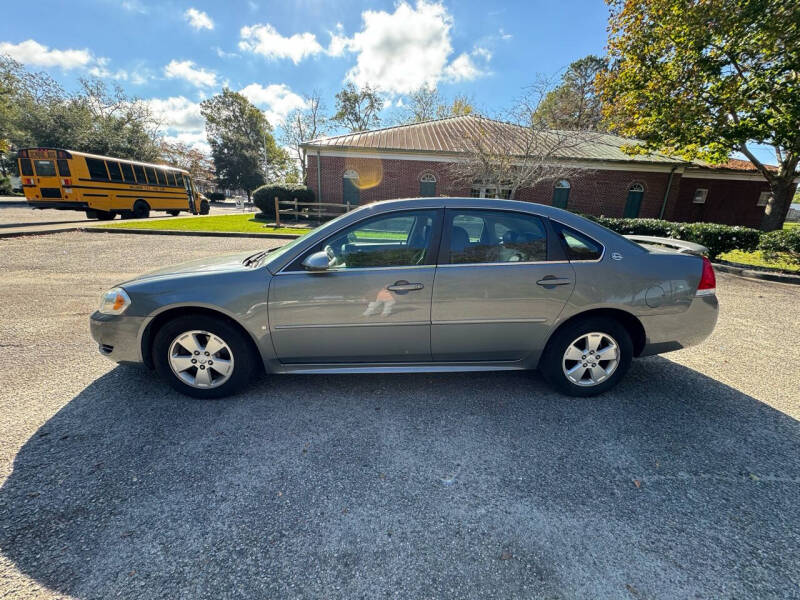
(319, 261)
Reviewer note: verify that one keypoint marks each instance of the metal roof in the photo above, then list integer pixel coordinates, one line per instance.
(453, 135)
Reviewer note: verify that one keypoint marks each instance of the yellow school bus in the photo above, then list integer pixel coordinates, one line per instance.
(104, 187)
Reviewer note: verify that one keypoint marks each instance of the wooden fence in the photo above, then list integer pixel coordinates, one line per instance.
(318, 211)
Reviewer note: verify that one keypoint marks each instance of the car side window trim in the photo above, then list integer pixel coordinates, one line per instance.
(553, 255)
(295, 266)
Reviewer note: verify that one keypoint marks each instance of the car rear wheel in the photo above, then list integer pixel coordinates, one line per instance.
(203, 357)
(587, 357)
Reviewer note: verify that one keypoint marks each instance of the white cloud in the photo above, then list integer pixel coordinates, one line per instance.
(465, 68)
(198, 19)
(264, 39)
(198, 141)
(134, 6)
(187, 70)
(178, 114)
(222, 54)
(276, 100)
(31, 52)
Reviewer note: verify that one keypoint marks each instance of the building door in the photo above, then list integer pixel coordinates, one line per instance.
(634, 201)
(350, 192)
(561, 193)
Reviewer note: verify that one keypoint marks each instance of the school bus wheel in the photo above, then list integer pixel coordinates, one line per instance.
(141, 209)
(204, 207)
(174, 213)
(100, 215)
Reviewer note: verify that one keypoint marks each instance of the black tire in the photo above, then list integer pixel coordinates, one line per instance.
(100, 215)
(205, 208)
(550, 364)
(174, 213)
(141, 210)
(244, 358)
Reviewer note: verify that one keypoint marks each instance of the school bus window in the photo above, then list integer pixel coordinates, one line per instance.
(114, 170)
(151, 175)
(171, 178)
(45, 168)
(127, 172)
(139, 170)
(97, 168)
(25, 166)
(179, 179)
(63, 167)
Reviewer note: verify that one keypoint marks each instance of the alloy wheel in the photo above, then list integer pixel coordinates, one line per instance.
(201, 359)
(591, 359)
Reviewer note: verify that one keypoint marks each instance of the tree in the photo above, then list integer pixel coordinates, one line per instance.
(302, 125)
(199, 165)
(427, 103)
(704, 79)
(358, 109)
(518, 152)
(36, 111)
(574, 103)
(245, 153)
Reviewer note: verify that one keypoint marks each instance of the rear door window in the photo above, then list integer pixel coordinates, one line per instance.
(495, 236)
(97, 168)
(45, 168)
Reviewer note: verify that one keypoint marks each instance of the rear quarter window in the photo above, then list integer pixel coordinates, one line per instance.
(25, 166)
(63, 168)
(579, 246)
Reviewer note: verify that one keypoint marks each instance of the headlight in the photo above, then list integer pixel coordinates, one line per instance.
(114, 302)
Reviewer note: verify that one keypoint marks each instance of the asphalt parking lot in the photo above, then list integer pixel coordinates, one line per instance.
(683, 482)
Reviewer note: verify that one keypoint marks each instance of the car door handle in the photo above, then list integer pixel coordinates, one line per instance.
(550, 280)
(404, 286)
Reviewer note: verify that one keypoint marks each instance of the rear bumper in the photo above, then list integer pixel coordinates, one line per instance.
(667, 332)
(118, 336)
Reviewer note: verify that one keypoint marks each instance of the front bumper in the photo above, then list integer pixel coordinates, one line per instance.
(667, 332)
(118, 336)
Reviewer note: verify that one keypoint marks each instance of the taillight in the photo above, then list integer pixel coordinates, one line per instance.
(66, 182)
(708, 281)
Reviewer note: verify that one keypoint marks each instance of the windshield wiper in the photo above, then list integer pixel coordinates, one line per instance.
(255, 258)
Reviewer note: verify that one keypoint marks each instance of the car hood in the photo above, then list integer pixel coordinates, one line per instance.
(211, 264)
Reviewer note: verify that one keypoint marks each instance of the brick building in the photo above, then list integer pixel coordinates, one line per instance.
(415, 160)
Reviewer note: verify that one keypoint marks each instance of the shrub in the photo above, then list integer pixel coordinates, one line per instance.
(264, 197)
(784, 242)
(215, 196)
(5, 186)
(714, 236)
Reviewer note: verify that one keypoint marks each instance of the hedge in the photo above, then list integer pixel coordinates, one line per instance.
(264, 197)
(781, 242)
(5, 186)
(717, 238)
(215, 196)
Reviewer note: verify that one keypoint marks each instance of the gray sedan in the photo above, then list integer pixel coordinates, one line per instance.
(430, 284)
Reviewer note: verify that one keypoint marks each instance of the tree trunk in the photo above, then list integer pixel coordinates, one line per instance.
(777, 208)
(248, 196)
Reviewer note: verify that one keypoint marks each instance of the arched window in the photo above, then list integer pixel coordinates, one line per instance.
(561, 193)
(350, 193)
(633, 204)
(427, 185)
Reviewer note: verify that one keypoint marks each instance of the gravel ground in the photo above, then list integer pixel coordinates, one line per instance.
(683, 482)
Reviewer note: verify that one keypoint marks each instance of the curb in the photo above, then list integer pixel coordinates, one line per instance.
(230, 234)
(13, 234)
(753, 274)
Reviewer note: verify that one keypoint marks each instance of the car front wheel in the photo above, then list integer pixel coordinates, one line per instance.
(203, 357)
(587, 357)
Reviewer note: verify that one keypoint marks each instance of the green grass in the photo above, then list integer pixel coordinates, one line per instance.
(245, 223)
(757, 259)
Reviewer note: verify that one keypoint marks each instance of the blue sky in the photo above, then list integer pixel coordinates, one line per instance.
(178, 53)
(174, 53)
